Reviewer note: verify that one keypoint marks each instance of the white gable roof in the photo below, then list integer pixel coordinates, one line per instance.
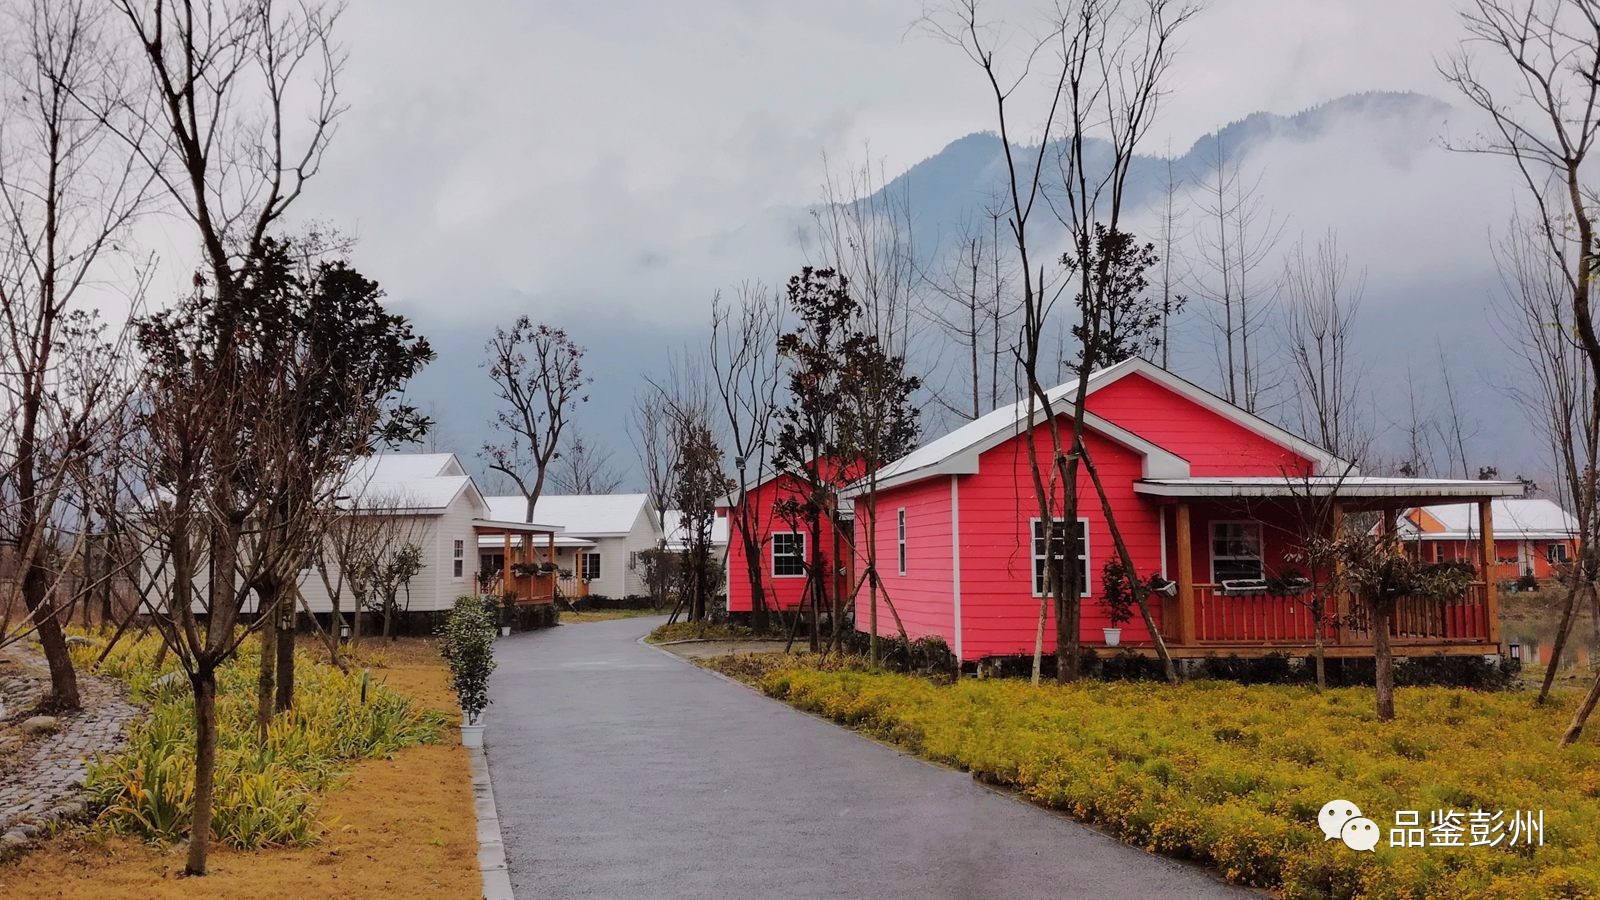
(582, 515)
(415, 482)
(676, 539)
(1514, 519)
(957, 453)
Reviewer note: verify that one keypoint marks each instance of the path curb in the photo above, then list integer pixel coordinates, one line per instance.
(491, 849)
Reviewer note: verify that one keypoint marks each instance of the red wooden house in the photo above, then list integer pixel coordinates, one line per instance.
(786, 548)
(1206, 494)
(1534, 538)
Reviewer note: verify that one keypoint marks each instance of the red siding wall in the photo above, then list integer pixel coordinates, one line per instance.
(923, 595)
(1215, 446)
(999, 614)
(781, 593)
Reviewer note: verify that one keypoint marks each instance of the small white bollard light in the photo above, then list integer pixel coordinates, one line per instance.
(344, 632)
(1516, 650)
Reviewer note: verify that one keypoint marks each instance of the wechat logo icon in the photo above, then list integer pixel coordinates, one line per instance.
(1343, 820)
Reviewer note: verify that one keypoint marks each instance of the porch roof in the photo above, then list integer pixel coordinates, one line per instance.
(1353, 487)
(501, 526)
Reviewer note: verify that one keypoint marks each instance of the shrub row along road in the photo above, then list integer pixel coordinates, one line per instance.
(620, 771)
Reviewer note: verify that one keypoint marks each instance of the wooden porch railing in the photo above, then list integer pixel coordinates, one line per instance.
(572, 587)
(1267, 619)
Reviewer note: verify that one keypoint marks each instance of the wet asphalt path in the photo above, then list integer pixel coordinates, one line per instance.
(620, 772)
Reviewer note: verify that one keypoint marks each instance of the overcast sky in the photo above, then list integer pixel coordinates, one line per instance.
(566, 158)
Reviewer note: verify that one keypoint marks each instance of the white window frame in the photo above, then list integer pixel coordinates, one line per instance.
(458, 558)
(1035, 579)
(583, 565)
(1550, 553)
(1261, 545)
(797, 535)
(900, 540)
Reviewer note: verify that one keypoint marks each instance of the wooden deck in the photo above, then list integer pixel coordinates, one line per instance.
(1249, 625)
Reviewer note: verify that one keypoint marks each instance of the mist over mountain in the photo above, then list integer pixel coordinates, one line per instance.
(1417, 218)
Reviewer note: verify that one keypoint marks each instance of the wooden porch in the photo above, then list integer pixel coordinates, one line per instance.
(528, 572)
(1205, 618)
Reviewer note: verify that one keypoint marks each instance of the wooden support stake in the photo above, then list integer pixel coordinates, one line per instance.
(505, 566)
(1186, 629)
(1486, 554)
(1342, 598)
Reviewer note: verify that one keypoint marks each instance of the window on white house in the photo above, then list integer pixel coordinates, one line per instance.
(591, 566)
(458, 561)
(1062, 537)
(1556, 553)
(788, 554)
(1236, 552)
(901, 521)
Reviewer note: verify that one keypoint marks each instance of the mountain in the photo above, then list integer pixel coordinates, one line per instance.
(1418, 220)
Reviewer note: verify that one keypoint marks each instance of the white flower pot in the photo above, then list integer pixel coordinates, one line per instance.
(472, 735)
(505, 631)
(1113, 636)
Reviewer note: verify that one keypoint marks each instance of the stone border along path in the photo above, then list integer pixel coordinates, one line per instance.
(623, 771)
(44, 783)
(491, 849)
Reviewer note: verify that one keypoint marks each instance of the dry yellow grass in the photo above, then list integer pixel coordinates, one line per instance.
(400, 827)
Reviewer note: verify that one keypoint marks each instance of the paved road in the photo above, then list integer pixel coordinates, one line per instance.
(620, 772)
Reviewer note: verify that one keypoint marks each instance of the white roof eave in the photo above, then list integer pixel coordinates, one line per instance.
(1329, 486)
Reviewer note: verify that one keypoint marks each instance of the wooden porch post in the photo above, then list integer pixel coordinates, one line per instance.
(1486, 556)
(505, 565)
(1342, 598)
(550, 547)
(1185, 577)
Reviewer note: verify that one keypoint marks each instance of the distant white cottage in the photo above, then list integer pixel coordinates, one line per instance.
(596, 550)
(429, 500)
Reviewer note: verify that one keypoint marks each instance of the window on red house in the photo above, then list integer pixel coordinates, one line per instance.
(1059, 536)
(1235, 551)
(788, 554)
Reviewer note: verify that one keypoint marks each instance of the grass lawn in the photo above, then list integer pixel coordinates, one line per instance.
(685, 630)
(1235, 776)
(607, 615)
(399, 826)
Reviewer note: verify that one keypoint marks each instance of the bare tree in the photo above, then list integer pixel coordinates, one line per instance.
(746, 375)
(1560, 396)
(1237, 242)
(1322, 299)
(539, 380)
(1110, 59)
(1172, 231)
(584, 468)
(965, 298)
(68, 192)
(649, 429)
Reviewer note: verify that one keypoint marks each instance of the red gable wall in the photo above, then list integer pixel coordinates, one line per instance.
(1214, 445)
(780, 593)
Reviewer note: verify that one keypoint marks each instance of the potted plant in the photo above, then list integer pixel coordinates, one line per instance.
(468, 647)
(507, 604)
(1117, 598)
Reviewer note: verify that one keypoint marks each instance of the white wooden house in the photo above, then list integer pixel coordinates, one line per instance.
(429, 500)
(598, 543)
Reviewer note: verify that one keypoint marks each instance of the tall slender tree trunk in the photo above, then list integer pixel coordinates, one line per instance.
(285, 647)
(1383, 659)
(204, 682)
(1581, 717)
(1562, 632)
(36, 597)
(266, 673)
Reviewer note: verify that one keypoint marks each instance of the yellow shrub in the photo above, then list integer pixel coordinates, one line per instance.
(1235, 775)
(266, 793)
